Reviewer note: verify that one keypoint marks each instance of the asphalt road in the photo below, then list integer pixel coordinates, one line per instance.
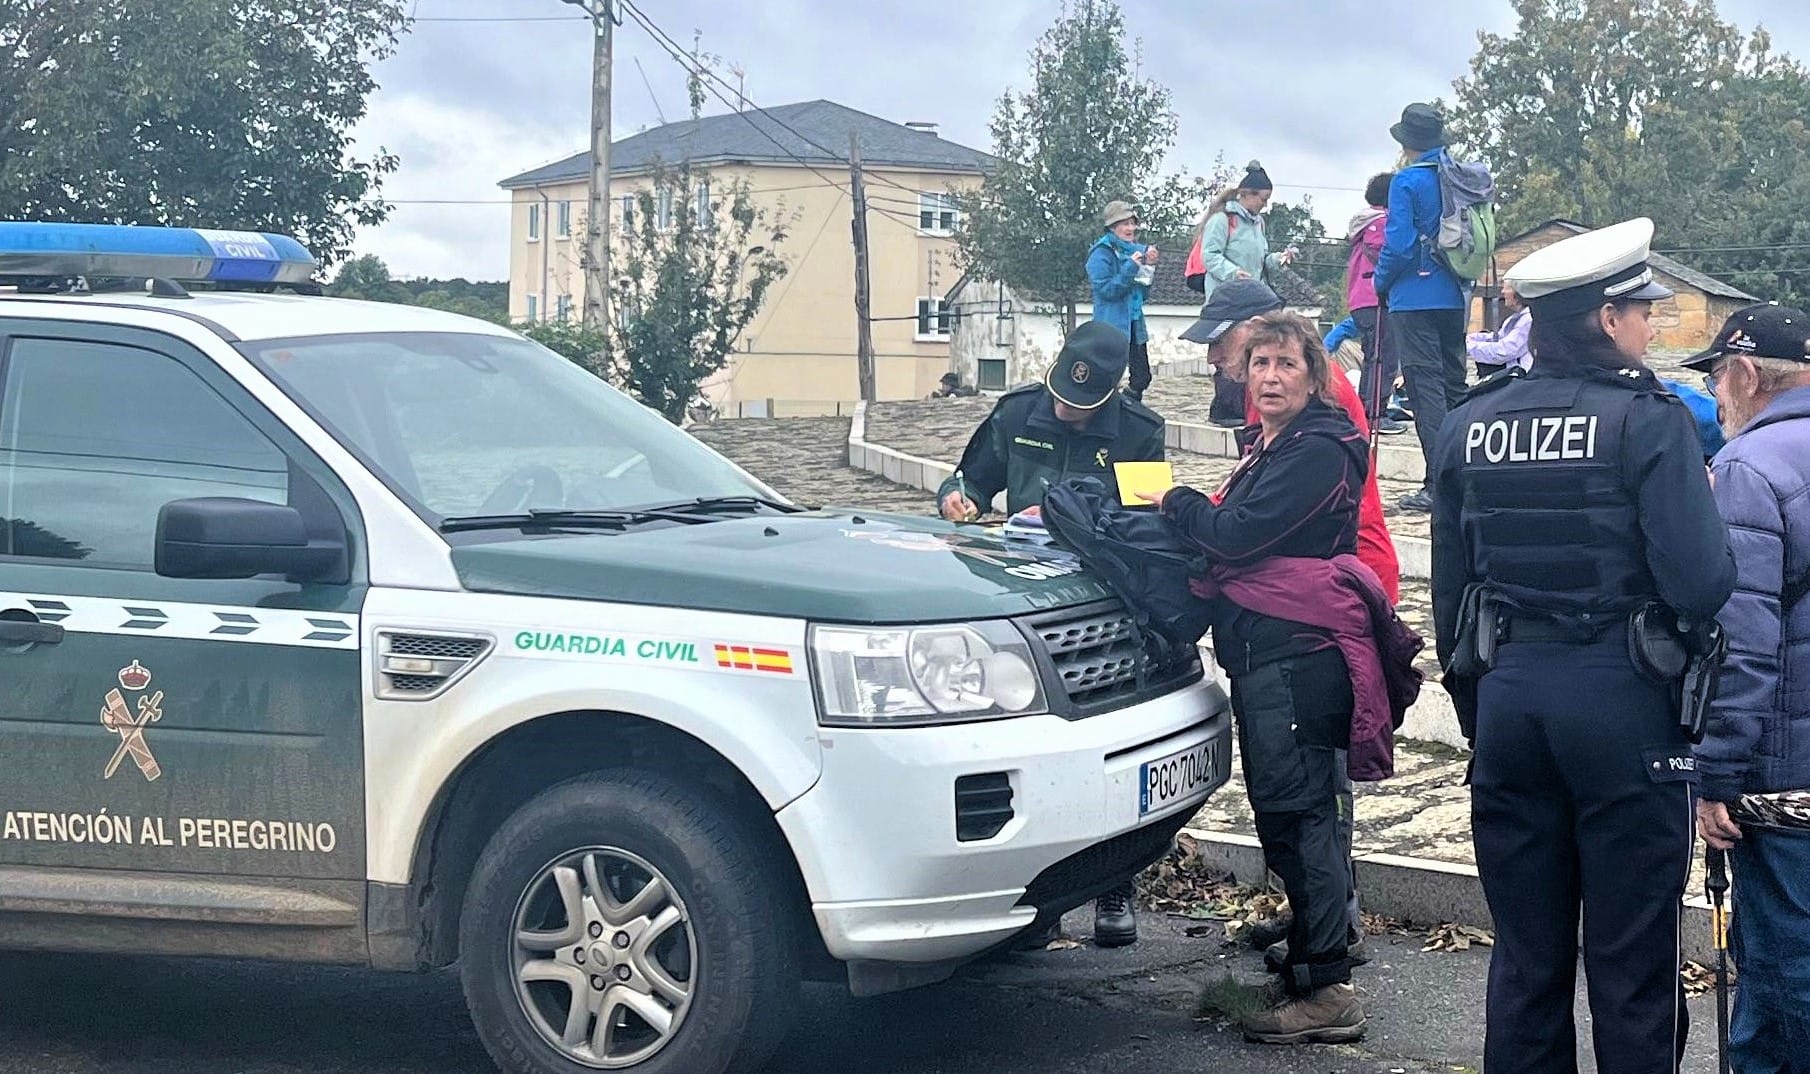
(1054, 1012)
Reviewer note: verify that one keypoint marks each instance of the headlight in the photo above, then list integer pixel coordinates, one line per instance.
(887, 676)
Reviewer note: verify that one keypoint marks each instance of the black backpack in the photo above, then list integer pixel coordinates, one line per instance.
(1140, 555)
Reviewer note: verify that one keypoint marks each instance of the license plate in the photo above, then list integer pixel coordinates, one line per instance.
(1179, 776)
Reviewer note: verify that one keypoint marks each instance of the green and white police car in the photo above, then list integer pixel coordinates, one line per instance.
(358, 633)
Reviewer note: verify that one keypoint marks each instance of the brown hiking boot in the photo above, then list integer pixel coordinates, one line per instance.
(1328, 1015)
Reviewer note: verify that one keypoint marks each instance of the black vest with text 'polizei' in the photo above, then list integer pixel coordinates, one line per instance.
(1548, 510)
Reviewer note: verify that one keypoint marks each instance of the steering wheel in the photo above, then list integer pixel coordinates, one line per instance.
(530, 486)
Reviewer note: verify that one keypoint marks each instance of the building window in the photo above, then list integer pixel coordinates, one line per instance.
(563, 225)
(663, 209)
(562, 308)
(534, 307)
(992, 375)
(706, 218)
(628, 212)
(534, 223)
(933, 319)
(937, 214)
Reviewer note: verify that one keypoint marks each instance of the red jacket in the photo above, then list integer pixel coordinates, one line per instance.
(1375, 546)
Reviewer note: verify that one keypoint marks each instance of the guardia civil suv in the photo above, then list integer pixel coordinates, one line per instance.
(357, 633)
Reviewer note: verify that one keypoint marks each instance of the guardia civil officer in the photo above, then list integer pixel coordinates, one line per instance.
(1077, 422)
(1572, 505)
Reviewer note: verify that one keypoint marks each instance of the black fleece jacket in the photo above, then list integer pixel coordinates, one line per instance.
(1296, 497)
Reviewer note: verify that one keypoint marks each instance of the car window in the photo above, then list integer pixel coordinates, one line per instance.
(467, 423)
(96, 437)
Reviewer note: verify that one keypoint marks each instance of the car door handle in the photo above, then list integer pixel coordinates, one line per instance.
(29, 632)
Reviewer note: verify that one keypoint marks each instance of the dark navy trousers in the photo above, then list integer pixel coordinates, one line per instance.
(1581, 798)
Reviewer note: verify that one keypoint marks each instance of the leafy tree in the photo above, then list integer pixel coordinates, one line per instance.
(684, 285)
(199, 113)
(367, 277)
(583, 346)
(486, 300)
(1088, 131)
(1599, 110)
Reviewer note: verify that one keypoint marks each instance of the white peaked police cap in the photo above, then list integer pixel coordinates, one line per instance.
(1585, 271)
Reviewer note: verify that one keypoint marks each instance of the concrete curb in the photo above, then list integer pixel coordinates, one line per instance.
(1417, 890)
(912, 471)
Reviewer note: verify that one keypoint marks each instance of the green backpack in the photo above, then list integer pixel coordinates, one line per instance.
(1467, 219)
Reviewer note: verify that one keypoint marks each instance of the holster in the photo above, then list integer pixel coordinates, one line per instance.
(1474, 648)
(1686, 655)
(1707, 645)
(1473, 654)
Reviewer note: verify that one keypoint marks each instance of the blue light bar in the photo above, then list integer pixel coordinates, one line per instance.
(171, 253)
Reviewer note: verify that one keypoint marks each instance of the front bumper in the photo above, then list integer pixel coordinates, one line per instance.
(876, 836)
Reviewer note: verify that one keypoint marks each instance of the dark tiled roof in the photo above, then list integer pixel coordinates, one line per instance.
(1708, 284)
(743, 136)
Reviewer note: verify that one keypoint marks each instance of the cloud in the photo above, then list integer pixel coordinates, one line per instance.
(1307, 86)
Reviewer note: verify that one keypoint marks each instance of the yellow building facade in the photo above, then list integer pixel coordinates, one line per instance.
(799, 354)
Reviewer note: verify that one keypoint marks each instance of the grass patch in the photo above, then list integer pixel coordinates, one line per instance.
(1427, 748)
(1227, 998)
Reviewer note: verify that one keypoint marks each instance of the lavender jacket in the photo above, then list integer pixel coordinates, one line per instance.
(1758, 740)
(1505, 346)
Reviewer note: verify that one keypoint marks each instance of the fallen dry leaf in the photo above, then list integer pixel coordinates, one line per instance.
(1700, 979)
(1455, 937)
(1062, 943)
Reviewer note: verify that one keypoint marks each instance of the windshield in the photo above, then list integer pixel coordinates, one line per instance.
(465, 424)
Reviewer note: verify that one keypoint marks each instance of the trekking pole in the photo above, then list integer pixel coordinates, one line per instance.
(1374, 410)
(1715, 884)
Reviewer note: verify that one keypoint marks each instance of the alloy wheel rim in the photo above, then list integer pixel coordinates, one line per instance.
(604, 957)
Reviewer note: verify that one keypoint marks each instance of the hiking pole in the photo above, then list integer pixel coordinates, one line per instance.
(1715, 884)
(1373, 406)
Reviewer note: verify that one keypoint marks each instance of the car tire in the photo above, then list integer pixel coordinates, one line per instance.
(742, 986)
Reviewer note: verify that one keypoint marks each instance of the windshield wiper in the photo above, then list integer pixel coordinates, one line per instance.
(704, 505)
(544, 518)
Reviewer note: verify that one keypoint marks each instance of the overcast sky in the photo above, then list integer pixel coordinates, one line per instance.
(482, 89)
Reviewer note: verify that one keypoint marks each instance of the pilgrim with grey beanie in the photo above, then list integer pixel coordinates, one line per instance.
(1120, 270)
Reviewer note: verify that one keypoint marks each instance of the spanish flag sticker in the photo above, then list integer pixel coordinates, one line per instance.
(744, 658)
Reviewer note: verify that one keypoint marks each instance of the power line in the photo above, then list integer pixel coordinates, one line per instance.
(705, 77)
(502, 18)
(709, 76)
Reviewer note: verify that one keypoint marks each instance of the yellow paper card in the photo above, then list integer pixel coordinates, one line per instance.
(1136, 477)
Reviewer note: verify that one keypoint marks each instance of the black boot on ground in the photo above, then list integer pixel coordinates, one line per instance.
(1115, 917)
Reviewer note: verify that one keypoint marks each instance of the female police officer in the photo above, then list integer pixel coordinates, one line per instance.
(1569, 498)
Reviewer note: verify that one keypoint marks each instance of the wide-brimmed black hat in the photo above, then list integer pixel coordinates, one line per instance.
(1231, 302)
(1765, 330)
(1420, 128)
(1088, 370)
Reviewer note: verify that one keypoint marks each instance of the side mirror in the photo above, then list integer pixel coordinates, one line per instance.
(229, 537)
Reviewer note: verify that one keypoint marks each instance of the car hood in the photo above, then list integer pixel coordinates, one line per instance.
(829, 565)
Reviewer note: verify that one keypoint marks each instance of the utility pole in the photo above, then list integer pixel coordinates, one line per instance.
(597, 216)
(864, 329)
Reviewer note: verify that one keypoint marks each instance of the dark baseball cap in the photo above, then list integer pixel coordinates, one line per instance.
(1766, 330)
(1090, 366)
(1232, 301)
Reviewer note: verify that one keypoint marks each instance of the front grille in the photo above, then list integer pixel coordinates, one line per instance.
(1099, 658)
(438, 645)
(1086, 873)
(983, 806)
